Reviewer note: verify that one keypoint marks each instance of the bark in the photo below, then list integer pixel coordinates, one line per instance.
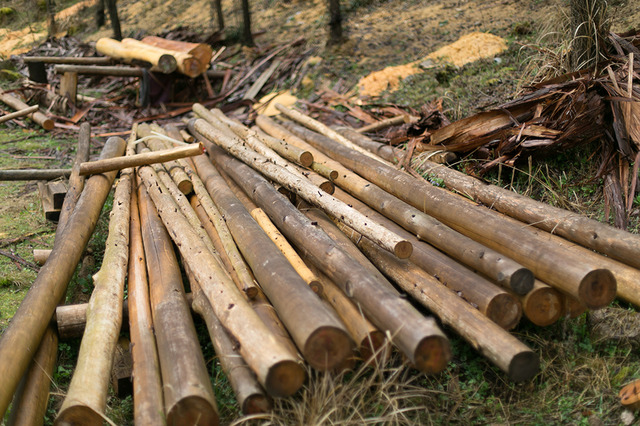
(28, 325)
(76, 182)
(71, 60)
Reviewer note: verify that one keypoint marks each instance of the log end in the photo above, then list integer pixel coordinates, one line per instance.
(256, 404)
(522, 281)
(78, 415)
(327, 348)
(284, 379)
(524, 366)
(373, 348)
(328, 187)
(505, 310)
(306, 159)
(193, 410)
(251, 291)
(544, 306)
(597, 289)
(167, 64)
(333, 175)
(403, 249)
(185, 186)
(432, 354)
(48, 124)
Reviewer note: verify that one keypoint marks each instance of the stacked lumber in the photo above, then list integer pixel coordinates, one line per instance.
(299, 248)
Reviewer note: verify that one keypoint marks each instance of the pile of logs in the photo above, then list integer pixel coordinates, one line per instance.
(300, 246)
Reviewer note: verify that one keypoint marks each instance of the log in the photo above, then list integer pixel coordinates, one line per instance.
(25, 331)
(309, 192)
(83, 60)
(615, 243)
(384, 151)
(543, 305)
(177, 172)
(34, 174)
(492, 264)
(277, 371)
(188, 395)
(69, 86)
(114, 71)
(18, 114)
(86, 398)
(317, 331)
(200, 52)
(319, 165)
(388, 122)
(423, 343)
(592, 285)
(38, 117)
(29, 405)
(500, 347)
(111, 164)
(249, 394)
(185, 63)
(162, 60)
(40, 256)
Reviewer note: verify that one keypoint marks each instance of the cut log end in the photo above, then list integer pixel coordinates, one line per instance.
(372, 348)
(328, 187)
(284, 379)
(630, 396)
(432, 354)
(167, 64)
(597, 289)
(522, 281)
(306, 159)
(185, 186)
(544, 306)
(48, 124)
(193, 410)
(327, 347)
(505, 310)
(78, 414)
(524, 366)
(256, 404)
(251, 292)
(333, 175)
(403, 249)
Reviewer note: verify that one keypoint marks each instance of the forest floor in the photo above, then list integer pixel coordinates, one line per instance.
(582, 370)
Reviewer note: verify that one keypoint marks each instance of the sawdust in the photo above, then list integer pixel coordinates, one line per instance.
(468, 48)
(284, 98)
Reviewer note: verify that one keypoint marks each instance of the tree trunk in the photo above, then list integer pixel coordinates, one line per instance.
(247, 37)
(335, 23)
(217, 7)
(115, 21)
(100, 18)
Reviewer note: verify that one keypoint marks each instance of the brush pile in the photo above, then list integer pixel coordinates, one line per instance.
(300, 247)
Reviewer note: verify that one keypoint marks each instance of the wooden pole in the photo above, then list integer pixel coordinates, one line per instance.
(147, 385)
(21, 337)
(591, 284)
(86, 398)
(500, 347)
(249, 394)
(316, 330)
(188, 395)
(34, 174)
(115, 71)
(273, 364)
(423, 343)
(309, 192)
(492, 264)
(175, 169)
(18, 114)
(18, 105)
(69, 86)
(200, 53)
(85, 60)
(101, 166)
(163, 60)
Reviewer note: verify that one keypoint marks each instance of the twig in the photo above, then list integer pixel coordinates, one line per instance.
(20, 260)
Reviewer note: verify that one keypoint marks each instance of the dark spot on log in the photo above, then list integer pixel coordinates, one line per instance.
(481, 255)
(314, 223)
(231, 305)
(595, 236)
(436, 277)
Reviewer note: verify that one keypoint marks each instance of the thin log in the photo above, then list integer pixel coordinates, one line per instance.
(18, 105)
(615, 243)
(390, 241)
(83, 60)
(28, 325)
(504, 271)
(147, 387)
(164, 61)
(201, 53)
(34, 174)
(188, 395)
(185, 63)
(500, 347)
(29, 405)
(384, 151)
(177, 172)
(106, 165)
(388, 122)
(86, 398)
(543, 305)
(591, 284)
(275, 368)
(76, 182)
(18, 114)
(249, 394)
(423, 343)
(114, 71)
(324, 130)
(319, 165)
(316, 330)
